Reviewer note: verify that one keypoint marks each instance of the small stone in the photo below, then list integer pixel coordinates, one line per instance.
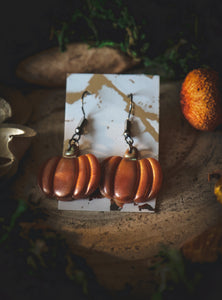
(50, 67)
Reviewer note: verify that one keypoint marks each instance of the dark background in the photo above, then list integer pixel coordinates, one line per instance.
(25, 27)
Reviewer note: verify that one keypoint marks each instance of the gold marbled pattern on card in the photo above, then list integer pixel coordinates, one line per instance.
(94, 86)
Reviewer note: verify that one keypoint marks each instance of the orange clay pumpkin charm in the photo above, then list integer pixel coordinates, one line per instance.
(72, 176)
(129, 179)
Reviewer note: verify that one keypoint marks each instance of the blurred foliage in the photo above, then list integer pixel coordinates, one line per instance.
(36, 261)
(111, 23)
(103, 23)
(179, 278)
(174, 275)
(6, 229)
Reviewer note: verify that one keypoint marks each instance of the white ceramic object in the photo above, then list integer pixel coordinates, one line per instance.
(14, 141)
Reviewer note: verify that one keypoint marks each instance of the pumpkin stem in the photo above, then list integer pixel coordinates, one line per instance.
(72, 151)
(132, 153)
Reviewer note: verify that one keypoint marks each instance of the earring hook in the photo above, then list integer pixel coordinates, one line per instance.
(127, 133)
(73, 148)
(131, 104)
(86, 93)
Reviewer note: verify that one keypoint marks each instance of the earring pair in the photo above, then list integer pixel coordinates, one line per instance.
(124, 179)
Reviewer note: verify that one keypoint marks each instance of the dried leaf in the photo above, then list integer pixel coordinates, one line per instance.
(218, 186)
(218, 190)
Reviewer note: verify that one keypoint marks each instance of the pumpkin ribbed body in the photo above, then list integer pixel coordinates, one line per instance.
(127, 180)
(70, 178)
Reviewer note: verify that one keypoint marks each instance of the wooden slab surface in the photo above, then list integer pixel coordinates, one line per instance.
(120, 247)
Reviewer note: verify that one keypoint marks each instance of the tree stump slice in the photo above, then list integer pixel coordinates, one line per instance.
(121, 246)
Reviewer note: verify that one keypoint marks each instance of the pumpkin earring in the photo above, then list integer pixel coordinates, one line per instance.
(71, 176)
(130, 179)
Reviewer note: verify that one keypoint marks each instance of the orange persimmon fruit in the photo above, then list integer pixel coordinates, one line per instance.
(200, 99)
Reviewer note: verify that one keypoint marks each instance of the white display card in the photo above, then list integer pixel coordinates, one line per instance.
(106, 110)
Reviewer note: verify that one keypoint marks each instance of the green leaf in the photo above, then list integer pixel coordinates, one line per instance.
(105, 44)
(21, 208)
(80, 278)
(157, 296)
(147, 61)
(77, 15)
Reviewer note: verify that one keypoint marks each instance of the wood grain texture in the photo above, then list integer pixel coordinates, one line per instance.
(121, 246)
